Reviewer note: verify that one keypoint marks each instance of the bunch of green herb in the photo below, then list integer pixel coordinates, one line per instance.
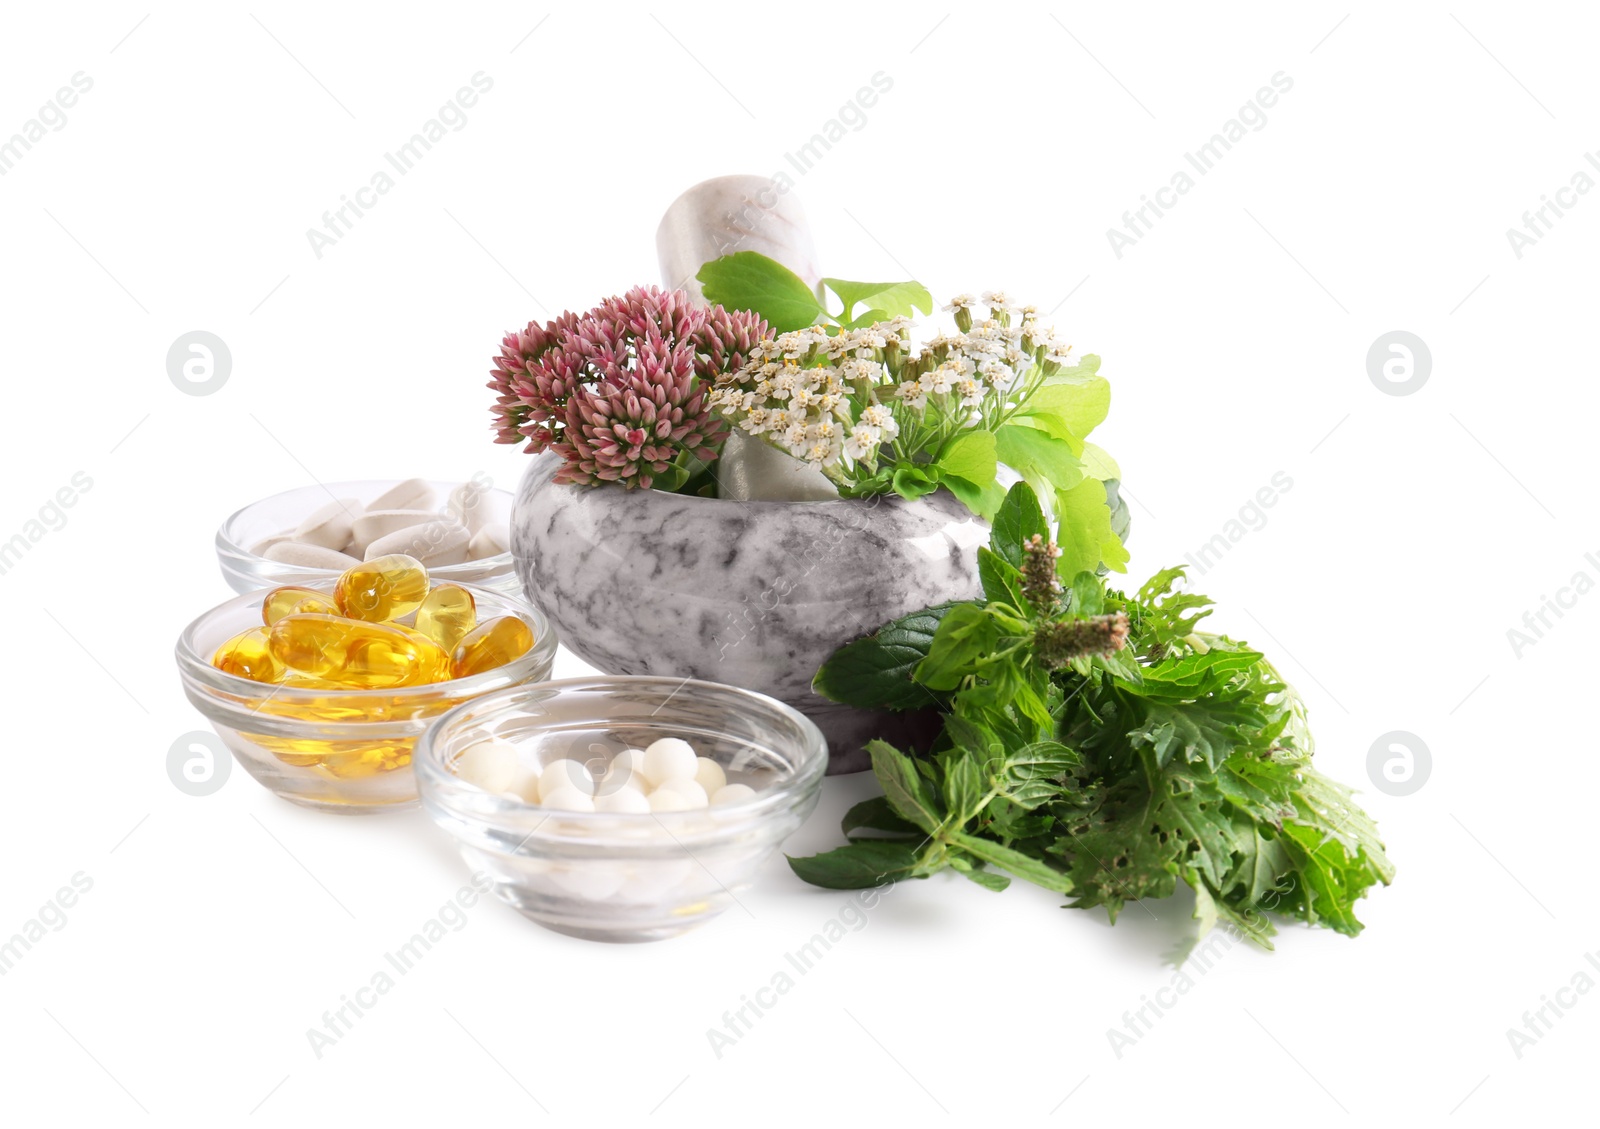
(1098, 745)
(851, 394)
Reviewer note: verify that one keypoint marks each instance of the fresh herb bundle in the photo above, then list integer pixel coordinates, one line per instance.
(851, 395)
(1098, 745)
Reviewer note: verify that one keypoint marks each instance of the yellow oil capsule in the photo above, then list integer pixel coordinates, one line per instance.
(354, 654)
(248, 655)
(291, 599)
(447, 614)
(491, 644)
(382, 589)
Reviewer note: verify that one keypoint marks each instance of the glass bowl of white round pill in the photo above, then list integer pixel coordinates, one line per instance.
(341, 750)
(459, 530)
(620, 808)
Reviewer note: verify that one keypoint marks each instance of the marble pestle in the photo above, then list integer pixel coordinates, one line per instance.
(718, 217)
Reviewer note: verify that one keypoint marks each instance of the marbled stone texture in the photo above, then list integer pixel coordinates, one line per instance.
(754, 594)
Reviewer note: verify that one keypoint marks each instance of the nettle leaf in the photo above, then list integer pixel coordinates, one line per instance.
(1084, 533)
(970, 455)
(876, 672)
(1018, 519)
(748, 280)
(903, 786)
(1039, 456)
(885, 299)
(858, 865)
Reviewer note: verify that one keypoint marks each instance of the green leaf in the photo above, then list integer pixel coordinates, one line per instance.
(1084, 533)
(887, 299)
(748, 280)
(988, 879)
(1039, 457)
(966, 635)
(1070, 409)
(981, 500)
(912, 482)
(1088, 594)
(970, 455)
(1014, 862)
(1033, 774)
(904, 787)
(1001, 579)
(1098, 464)
(876, 814)
(876, 672)
(1015, 523)
(858, 865)
(964, 787)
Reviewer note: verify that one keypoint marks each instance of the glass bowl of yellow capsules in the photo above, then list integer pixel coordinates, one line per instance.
(321, 690)
(459, 530)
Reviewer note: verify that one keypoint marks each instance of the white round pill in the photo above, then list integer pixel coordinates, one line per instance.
(491, 765)
(665, 799)
(622, 800)
(688, 789)
(709, 775)
(670, 758)
(732, 794)
(525, 782)
(568, 799)
(565, 774)
(618, 778)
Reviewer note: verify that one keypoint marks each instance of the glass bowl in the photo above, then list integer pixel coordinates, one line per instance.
(623, 877)
(246, 572)
(346, 751)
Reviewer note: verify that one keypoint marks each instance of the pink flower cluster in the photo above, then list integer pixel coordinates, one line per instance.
(620, 392)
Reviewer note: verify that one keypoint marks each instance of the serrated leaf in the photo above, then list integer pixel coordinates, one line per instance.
(748, 280)
(903, 786)
(966, 637)
(1002, 581)
(1033, 774)
(858, 865)
(877, 815)
(1018, 519)
(875, 672)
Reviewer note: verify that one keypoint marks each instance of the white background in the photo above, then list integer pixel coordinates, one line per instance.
(1418, 530)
